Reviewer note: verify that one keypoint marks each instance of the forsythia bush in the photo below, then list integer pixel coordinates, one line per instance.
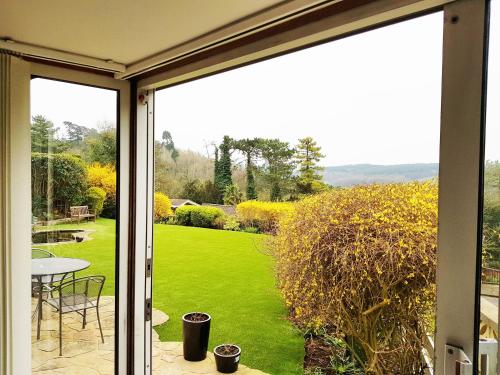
(361, 262)
(162, 207)
(104, 177)
(262, 215)
(198, 216)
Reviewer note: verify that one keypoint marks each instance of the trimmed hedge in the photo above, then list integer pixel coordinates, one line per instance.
(198, 216)
(58, 181)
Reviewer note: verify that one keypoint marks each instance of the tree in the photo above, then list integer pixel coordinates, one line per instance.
(200, 192)
(44, 136)
(232, 195)
(168, 143)
(193, 190)
(250, 148)
(77, 133)
(279, 166)
(102, 146)
(222, 167)
(307, 155)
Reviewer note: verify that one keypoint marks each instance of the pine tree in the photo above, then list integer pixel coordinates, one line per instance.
(308, 155)
(44, 136)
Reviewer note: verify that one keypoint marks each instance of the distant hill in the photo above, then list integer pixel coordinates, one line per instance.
(348, 175)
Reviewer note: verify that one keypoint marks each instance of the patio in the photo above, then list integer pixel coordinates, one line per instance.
(85, 354)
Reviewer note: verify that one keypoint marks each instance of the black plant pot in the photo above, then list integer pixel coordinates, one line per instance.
(227, 363)
(195, 332)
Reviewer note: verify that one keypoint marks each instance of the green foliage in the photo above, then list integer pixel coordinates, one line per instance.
(222, 167)
(58, 181)
(168, 144)
(307, 154)
(77, 133)
(251, 149)
(231, 223)
(251, 190)
(102, 146)
(253, 230)
(232, 195)
(95, 198)
(200, 192)
(43, 136)
(198, 216)
(279, 167)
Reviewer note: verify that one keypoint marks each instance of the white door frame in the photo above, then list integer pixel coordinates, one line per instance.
(18, 276)
(144, 159)
(460, 178)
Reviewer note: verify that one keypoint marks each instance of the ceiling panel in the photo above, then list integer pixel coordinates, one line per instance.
(125, 31)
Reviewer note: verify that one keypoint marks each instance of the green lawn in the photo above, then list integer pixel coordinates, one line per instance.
(223, 273)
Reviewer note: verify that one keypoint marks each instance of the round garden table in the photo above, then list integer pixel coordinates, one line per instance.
(44, 270)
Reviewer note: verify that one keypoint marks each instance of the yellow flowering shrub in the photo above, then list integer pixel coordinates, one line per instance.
(262, 215)
(104, 177)
(361, 262)
(162, 207)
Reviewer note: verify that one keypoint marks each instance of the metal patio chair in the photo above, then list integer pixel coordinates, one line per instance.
(78, 296)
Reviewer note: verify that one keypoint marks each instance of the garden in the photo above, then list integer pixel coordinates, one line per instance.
(354, 270)
(305, 277)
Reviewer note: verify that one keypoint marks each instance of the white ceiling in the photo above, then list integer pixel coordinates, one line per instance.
(125, 31)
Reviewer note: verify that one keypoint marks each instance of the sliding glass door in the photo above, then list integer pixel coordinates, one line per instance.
(74, 257)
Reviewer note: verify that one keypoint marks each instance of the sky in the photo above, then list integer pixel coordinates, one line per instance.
(369, 98)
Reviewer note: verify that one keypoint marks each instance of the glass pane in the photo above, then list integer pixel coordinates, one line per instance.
(296, 204)
(488, 344)
(73, 186)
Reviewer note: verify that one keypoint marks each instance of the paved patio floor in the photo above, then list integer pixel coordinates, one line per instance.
(85, 354)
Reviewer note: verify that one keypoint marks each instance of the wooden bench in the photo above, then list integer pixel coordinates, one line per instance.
(81, 212)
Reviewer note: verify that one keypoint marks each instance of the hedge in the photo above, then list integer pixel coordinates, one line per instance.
(198, 216)
(64, 176)
(95, 198)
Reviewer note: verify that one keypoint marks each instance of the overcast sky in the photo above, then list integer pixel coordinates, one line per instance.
(371, 98)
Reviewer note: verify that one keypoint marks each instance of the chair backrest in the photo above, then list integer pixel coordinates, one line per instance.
(79, 210)
(41, 253)
(89, 287)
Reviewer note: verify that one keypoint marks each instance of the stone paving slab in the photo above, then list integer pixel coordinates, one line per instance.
(85, 354)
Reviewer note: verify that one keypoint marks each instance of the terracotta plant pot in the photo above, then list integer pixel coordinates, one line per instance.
(227, 358)
(195, 332)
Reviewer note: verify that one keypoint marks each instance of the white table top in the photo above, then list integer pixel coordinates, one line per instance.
(57, 266)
